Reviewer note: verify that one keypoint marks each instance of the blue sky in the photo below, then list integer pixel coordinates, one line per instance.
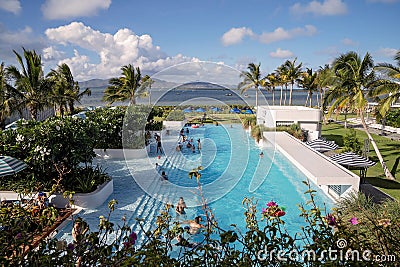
(96, 37)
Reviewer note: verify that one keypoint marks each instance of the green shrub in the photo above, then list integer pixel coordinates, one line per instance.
(351, 143)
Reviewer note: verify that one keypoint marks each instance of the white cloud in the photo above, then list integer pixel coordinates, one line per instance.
(13, 6)
(280, 34)
(51, 53)
(349, 42)
(15, 40)
(325, 8)
(235, 35)
(64, 9)
(122, 48)
(280, 53)
(387, 52)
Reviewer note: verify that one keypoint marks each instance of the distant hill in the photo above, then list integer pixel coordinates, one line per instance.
(94, 83)
(103, 83)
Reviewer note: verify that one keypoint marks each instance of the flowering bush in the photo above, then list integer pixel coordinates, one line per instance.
(326, 239)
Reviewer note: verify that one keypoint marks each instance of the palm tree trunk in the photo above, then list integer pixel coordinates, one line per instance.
(387, 172)
(280, 102)
(273, 96)
(290, 94)
(308, 95)
(284, 102)
(256, 98)
(33, 112)
(310, 99)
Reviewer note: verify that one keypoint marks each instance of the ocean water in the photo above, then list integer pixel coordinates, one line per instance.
(162, 97)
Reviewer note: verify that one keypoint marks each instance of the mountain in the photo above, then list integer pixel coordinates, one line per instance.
(93, 83)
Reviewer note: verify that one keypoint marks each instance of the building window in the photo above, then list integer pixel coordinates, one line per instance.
(336, 188)
(284, 123)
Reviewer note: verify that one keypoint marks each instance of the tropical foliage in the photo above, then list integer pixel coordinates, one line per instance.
(252, 79)
(360, 233)
(32, 87)
(128, 86)
(353, 76)
(351, 142)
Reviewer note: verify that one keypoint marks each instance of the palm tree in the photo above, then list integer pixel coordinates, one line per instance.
(251, 79)
(293, 73)
(308, 81)
(32, 87)
(282, 81)
(324, 80)
(126, 87)
(65, 88)
(147, 82)
(272, 82)
(6, 96)
(389, 86)
(354, 76)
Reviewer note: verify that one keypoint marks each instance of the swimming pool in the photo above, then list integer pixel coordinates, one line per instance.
(231, 161)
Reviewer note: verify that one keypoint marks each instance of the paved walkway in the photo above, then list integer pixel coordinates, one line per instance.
(375, 194)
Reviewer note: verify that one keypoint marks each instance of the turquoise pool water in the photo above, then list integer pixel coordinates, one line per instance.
(280, 180)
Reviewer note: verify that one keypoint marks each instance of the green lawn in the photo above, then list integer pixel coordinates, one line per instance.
(390, 150)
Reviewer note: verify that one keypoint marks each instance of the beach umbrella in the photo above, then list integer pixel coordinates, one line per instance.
(247, 111)
(187, 110)
(352, 160)
(10, 165)
(200, 110)
(216, 109)
(322, 145)
(235, 110)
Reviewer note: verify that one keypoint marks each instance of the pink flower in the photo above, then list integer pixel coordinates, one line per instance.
(264, 210)
(354, 221)
(272, 204)
(280, 213)
(71, 246)
(330, 219)
(133, 237)
(131, 240)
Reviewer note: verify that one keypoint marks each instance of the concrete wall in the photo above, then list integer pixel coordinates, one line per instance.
(85, 200)
(309, 119)
(122, 153)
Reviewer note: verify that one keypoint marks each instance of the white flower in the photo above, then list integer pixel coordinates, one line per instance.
(19, 138)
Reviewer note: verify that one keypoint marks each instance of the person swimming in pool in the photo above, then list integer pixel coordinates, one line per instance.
(195, 225)
(180, 207)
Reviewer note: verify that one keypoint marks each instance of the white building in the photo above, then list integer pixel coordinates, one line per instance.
(309, 119)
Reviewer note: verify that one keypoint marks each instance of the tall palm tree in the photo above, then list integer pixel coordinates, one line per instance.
(308, 81)
(273, 82)
(282, 75)
(147, 82)
(388, 86)
(65, 89)
(251, 79)
(33, 88)
(354, 76)
(324, 80)
(293, 73)
(7, 94)
(126, 87)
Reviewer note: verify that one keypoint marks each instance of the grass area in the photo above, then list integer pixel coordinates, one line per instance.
(390, 150)
(224, 118)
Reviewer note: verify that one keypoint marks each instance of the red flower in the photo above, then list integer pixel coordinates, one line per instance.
(272, 204)
(280, 213)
